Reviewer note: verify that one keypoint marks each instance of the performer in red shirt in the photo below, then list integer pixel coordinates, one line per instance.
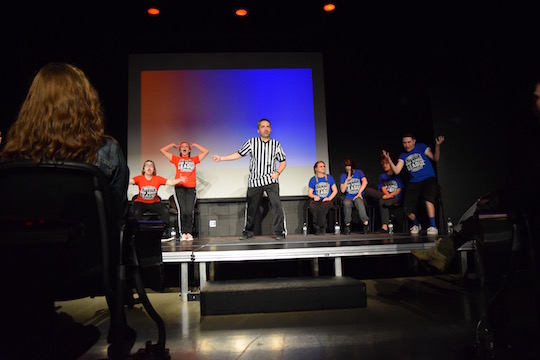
(185, 191)
(148, 199)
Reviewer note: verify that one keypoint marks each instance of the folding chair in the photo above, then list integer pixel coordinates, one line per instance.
(58, 226)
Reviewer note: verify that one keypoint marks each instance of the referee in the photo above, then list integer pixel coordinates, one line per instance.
(263, 176)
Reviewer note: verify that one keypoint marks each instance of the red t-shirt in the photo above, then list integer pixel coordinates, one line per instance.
(148, 189)
(185, 166)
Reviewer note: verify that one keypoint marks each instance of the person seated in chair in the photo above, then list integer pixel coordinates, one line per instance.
(148, 199)
(322, 191)
(389, 194)
(353, 184)
(61, 119)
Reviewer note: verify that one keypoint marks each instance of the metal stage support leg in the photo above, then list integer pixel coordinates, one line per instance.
(315, 266)
(184, 278)
(337, 266)
(469, 246)
(463, 268)
(413, 263)
(202, 275)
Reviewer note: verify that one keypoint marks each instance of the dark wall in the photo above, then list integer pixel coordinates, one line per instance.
(462, 70)
(482, 83)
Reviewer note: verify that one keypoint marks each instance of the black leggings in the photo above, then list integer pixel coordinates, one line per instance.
(185, 203)
(139, 208)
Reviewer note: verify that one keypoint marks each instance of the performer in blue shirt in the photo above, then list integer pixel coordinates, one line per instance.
(353, 183)
(389, 193)
(423, 182)
(322, 190)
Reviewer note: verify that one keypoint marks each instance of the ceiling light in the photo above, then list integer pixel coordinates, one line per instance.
(153, 11)
(329, 7)
(241, 12)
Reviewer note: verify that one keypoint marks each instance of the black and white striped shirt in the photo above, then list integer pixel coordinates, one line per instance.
(263, 162)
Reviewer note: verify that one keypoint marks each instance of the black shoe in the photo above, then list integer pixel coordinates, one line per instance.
(347, 230)
(246, 236)
(280, 237)
(366, 228)
(381, 231)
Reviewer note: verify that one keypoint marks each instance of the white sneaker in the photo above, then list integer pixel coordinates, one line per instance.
(432, 231)
(189, 237)
(416, 229)
(167, 239)
(183, 237)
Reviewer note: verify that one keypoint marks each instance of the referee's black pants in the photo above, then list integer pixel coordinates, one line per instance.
(254, 196)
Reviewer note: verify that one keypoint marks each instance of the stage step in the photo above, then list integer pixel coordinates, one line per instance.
(281, 295)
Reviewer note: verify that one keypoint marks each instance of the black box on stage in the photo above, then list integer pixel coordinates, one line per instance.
(281, 295)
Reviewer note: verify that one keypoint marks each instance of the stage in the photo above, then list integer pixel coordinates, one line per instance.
(209, 250)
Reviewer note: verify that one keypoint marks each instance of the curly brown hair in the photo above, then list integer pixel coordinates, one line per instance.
(60, 119)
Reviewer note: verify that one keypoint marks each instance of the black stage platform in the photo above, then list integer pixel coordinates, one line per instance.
(297, 246)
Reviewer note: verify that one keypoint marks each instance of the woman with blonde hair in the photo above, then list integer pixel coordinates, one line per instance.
(322, 190)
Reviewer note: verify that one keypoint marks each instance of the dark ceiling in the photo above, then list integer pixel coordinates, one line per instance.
(271, 25)
(371, 42)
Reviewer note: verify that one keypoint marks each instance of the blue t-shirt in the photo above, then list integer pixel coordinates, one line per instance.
(418, 164)
(391, 183)
(322, 188)
(353, 186)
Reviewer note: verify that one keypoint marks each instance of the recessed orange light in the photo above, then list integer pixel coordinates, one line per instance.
(241, 12)
(329, 7)
(153, 11)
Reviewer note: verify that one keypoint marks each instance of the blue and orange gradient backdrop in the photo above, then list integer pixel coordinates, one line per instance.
(219, 110)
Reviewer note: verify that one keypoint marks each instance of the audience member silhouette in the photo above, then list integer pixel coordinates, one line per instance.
(61, 119)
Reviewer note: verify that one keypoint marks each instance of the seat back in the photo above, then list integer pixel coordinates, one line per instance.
(57, 228)
(60, 238)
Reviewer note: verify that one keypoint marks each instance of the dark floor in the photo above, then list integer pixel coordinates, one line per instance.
(422, 317)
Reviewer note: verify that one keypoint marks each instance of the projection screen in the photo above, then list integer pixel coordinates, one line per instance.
(216, 100)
